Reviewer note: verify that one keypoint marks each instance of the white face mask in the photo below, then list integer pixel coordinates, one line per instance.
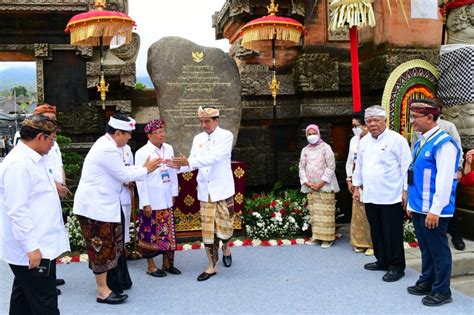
(357, 131)
(312, 138)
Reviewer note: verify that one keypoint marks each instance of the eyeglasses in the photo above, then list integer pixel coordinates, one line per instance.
(48, 136)
(413, 117)
(158, 132)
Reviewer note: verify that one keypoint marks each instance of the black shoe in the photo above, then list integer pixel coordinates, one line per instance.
(437, 299)
(173, 270)
(113, 298)
(374, 266)
(227, 260)
(420, 288)
(392, 276)
(60, 282)
(204, 276)
(458, 244)
(157, 273)
(58, 292)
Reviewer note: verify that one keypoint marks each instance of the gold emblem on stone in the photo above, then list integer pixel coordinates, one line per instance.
(239, 172)
(198, 56)
(188, 201)
(239, 198)
(187, 176)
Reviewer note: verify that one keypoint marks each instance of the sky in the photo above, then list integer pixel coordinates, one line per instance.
(155, 19)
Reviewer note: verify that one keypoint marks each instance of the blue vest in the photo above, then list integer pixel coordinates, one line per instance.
(420, 193)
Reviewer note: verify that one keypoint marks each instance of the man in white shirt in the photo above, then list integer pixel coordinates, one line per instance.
(211, 154)
(32, 230)
(432, 183)
(383, 158)
(54, 161)
(157, 195)
(97, 206)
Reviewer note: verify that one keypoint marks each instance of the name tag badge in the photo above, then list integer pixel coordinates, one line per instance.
(165, 176)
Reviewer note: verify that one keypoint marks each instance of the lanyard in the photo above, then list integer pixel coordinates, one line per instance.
(421, 145)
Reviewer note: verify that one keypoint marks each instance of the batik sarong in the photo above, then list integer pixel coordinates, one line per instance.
(158, 233)
(104, 243)
(322, 209)
(217, 217)
(360, 229)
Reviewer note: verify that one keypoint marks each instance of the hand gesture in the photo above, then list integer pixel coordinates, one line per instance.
(181, 160)
(152, 164)
(62, 190)
(431, 221)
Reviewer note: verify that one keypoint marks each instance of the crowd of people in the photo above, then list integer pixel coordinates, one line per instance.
(388, 181)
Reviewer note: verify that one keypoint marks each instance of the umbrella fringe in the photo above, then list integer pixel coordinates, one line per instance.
(111, 33)
(358, 13)
(251, 38)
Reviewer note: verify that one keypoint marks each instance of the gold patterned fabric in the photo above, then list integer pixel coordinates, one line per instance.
(322, 210)
(360, 229)
(217, 218)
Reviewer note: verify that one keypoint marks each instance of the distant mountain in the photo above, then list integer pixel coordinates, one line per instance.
(25, 76)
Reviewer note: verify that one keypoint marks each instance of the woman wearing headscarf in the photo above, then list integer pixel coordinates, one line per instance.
(360, 229)
(318, 180)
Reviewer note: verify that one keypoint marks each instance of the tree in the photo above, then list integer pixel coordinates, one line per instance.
(140, 86)
(20, 90)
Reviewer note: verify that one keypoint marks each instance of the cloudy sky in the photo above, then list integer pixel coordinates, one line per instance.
(190, 19)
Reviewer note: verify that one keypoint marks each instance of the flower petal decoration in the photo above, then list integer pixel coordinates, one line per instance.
(359, 13)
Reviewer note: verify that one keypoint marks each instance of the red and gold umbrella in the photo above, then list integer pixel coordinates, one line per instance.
(98, 28)
(265, 34)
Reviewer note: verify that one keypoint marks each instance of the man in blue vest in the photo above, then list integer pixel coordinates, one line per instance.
(432, 181)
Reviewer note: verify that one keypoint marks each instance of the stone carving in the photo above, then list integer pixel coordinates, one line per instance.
(123, 106)
(126, 72)
(84, 51)
(325, 107)
(185, 76)
(128, 52)
(40, 80)
(316, 72)
(85, 119)
(112, 5)
(42, 50)
(92, 74)
(42, 5)
(239, 6)
(255, 80)
(240, 52)
(298, 8)
(460, 24)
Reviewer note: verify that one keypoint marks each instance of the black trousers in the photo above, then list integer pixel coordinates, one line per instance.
(453, 227)
(33, 294)
(386, 230)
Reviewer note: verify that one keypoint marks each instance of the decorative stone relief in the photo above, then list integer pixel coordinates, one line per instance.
(84, 51)
(298, 7)
(325, 107)
(42, 5)
(84, 119)
(40, 80)
(255, 80)
(42, 50)
(112, 5)
(241, 52)
(92, 74)
(123, 106)
(127, 74)
(316, 72)
(128, 52)
(239, 6)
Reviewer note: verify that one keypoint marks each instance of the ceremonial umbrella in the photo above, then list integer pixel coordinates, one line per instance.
(354, 13)
(265, 34)
(98, 28)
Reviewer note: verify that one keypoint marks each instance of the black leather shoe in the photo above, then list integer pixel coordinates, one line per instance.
(374, 266)
(437, 299)
(420, 288)
(113, 298)
(204, 276)
(60, 282)
(392, 276)
(458, 244)
(173, 270)
(227, 260)
(157, 273)
(58, 292)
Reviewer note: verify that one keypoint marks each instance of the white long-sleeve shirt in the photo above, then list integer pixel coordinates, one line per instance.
(31, 216)
(127, 158)
(381, 167)
(353, 145)
(445, 160)
(157, 190)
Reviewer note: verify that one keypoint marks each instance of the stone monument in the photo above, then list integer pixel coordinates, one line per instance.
(186, 76)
